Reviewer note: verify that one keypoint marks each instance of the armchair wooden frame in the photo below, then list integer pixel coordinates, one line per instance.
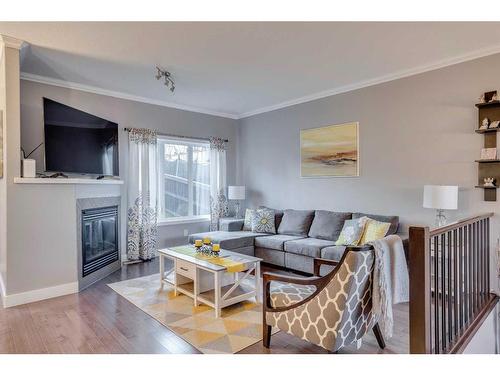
(320, 282)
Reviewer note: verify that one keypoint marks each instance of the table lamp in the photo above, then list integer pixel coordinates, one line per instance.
(441, 198)
(236, 193)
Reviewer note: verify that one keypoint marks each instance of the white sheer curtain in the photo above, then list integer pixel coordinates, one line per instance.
(201, 179)
(218, 201)
(142, 211)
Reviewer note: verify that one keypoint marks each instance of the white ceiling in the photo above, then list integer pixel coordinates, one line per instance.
(238, 69)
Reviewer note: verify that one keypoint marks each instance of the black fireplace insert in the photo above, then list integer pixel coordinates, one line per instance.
(99, 238)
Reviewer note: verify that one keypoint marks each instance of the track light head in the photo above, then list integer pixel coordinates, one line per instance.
(168, 81)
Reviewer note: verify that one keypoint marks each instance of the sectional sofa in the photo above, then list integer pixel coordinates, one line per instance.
(301, 236)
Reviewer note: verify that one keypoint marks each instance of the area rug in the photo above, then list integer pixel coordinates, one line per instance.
(239, 326)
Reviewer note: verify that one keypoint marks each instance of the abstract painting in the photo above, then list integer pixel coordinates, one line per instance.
(330, 151)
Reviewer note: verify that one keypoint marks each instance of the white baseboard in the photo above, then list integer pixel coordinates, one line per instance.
(39, 294)
(2, 290)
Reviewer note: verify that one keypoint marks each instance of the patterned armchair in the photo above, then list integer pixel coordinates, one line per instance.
(331, 311)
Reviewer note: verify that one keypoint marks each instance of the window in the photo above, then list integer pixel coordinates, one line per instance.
(184, 167)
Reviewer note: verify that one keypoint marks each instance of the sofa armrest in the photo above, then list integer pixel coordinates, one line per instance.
(231, 224)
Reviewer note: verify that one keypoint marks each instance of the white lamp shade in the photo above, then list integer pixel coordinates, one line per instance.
(236, 192)
(441, 197)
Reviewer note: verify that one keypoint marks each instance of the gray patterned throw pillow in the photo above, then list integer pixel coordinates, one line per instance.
(249, 214)
(352, 232)
(263, 221)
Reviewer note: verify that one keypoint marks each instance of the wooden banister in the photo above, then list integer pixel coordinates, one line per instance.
(449, 284)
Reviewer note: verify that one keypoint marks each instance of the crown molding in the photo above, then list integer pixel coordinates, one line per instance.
(304, 99)
(378, 80)
(120, 95)
(11, 42)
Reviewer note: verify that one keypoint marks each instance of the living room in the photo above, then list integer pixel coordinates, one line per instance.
(249, 187)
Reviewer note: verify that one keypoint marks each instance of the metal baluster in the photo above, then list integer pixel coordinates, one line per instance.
(455, 283)
(487, 256)
(461, 278)
(443, 291)
(449, 299)
(470, 274)
(437, 347)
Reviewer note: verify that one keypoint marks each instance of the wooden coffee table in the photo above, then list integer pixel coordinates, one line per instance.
(209, 283)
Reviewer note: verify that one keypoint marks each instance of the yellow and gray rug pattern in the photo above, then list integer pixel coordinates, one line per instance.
(239, 326)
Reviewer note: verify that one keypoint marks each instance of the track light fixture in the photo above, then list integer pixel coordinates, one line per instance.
(168, 81)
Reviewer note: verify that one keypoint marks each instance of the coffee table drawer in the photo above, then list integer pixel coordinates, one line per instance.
(185, 268)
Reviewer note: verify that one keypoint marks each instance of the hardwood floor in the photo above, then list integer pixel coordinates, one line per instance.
(98, 320)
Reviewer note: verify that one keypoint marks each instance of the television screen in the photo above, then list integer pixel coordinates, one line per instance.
(78, 142)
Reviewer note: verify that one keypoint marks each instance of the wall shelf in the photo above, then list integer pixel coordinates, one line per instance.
(67, 181)
(492, 130)
(495, 103)
(488, 168)
(487, 161)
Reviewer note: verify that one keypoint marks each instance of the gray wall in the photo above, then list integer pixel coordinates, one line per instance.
(127, 114)
(413, 131)
(3, 181)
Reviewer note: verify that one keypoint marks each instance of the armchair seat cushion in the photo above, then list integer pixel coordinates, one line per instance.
(310, 247)
(286, 294)
(275, 242)
(228, 240)
(333, 252)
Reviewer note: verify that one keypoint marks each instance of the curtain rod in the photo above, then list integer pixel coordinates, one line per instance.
(178, 136)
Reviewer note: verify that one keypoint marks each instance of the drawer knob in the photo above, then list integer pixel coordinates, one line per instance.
(184, 269)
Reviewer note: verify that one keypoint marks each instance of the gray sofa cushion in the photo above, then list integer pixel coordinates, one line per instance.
(296, 222)
(228, 240)
(230, 224)
(394, 220)
(310, 247)
(275, 242)
(327, 225)
(333, 252)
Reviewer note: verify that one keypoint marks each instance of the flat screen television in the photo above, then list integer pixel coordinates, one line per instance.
(78, 142)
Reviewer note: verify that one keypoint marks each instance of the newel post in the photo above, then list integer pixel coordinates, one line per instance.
(420, 291)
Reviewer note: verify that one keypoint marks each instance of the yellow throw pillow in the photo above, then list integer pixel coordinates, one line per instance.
(374, 230)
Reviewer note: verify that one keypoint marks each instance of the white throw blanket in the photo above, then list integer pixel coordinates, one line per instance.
(390, 280)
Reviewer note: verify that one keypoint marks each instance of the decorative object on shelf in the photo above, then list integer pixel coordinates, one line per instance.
(167, 76)
(236, 193)
(489, 153)
(485, 123)
(198, 244)
(29, 168)
(207, 241)
(29, 165)
(330, 151)
(441, 197)
(488, 96)
(482, 100)
(489, 182)
(494, 98)
(494, 125)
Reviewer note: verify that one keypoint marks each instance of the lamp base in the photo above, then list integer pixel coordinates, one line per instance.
(237, 210)
(440, 218)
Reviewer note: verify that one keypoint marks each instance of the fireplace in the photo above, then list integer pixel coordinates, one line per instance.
(100, 238)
